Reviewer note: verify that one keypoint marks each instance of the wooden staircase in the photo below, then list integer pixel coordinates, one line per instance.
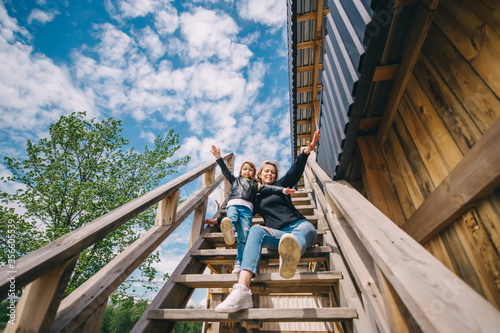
(312, 285)
(364, 274)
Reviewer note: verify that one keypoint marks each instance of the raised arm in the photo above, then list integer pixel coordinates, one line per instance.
(295, 172)
(272, 189)
(223, 167)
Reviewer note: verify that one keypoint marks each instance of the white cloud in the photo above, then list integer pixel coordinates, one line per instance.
(42, 16)
(213, 34)
(166, 20)
(149, 136)
(150, 41)
(269, 13)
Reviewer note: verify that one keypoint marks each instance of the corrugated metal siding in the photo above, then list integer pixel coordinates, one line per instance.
(345, 26)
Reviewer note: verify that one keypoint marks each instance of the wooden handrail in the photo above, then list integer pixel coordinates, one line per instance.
(437, 299)
(39, 262)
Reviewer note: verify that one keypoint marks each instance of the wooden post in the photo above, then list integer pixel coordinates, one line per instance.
(226, 186)
(201, 211)
(93, 324)
(167, 209)
(38, 305)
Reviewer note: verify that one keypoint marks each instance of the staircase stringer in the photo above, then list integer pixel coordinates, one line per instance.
(347, 295)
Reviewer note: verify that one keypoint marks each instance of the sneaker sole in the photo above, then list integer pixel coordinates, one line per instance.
(244, 306)
(226, 226)
(289, 251)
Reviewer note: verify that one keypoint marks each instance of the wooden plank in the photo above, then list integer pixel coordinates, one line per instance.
(487, 11)
(399, 185)
(386, 72)
(304, 106)
(422, 177)
(405, 171)
(306, 45)
(468, 182)
(82, 302)
(416, 38)
(301, 279)
(308, 68)
(347, 293)
(278, 315)
(433, 124)
(475, 40)
(198, 222)
(93, 324)
(42, 260)
(425, 145)
(460, 87)
(311, 15)
(223, 255)
(378, 186)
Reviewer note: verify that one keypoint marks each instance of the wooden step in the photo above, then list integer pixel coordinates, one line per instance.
(301, 193)
(312, 218)
(227, 256)
(217, 240)
(266, 315)
(303, 279)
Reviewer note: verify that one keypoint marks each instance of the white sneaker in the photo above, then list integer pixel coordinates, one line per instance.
(236, 269)
(239, 299)
(289, 250)
(226, 226)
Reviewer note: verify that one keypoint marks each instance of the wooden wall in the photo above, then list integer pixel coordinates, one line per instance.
(452, 99)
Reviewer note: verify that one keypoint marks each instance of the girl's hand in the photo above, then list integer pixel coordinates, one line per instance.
(312, 145)
(215, 151)
(211, 221)
(289, 190)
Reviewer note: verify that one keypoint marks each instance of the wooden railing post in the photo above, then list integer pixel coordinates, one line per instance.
(167, 209)
(201, 211)
(39, 301)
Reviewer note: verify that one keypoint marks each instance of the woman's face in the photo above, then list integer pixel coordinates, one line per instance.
(268, 174)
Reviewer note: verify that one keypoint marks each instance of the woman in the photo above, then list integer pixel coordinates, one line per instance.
(285, 230)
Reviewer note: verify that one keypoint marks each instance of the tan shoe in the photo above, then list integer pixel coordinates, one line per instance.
(289, 250)
(226, 226)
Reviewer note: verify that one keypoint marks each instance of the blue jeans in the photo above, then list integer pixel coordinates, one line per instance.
(241, 217)
(303, 230)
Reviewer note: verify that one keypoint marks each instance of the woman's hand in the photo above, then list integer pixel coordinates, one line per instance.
(215, 151)
(312, 145)
(289, 190)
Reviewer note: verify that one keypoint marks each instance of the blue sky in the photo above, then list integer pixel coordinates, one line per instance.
(214, 71)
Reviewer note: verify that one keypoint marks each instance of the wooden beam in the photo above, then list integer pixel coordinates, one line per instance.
(370, 123)
(303, 122)
(311, 15)
(387, 72)
(319, 43)
(167, 208)
(475, 177)
(418, 33)
(306, 45)
(305, 106)
(279, 315)
(308, 68)
(305, 89)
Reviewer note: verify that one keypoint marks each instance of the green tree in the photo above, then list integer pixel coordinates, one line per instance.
(80, 172)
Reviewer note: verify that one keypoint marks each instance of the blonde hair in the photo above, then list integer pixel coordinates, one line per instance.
(251, 165)
(263, 165)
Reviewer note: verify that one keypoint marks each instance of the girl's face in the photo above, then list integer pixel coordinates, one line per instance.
(247, 171)
(268, 174)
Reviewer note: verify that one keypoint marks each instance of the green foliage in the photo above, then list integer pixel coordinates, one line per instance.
(80, 172)
(122, 317)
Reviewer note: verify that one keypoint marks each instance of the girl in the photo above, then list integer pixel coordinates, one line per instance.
(243, 193)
